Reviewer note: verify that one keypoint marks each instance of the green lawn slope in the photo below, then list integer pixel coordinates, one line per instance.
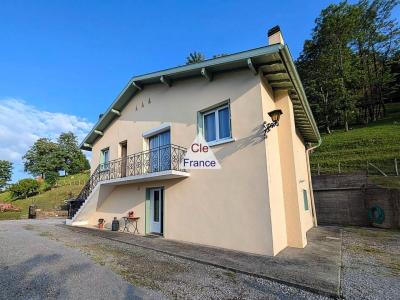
(67, 187)
(378, 143)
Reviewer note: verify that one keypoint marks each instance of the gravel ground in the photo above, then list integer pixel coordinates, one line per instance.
(35, 267)
(162, 274)
(39, 260)
(371, 263)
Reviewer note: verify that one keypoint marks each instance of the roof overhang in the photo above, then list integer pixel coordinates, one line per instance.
(275, 62)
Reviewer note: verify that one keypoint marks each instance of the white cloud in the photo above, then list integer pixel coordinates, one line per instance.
(22, 124)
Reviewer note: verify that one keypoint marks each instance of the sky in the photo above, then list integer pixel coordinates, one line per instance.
(62, 63)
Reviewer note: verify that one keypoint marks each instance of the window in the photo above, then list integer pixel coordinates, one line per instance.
(160, 151)
(217, 124)
(305, 198)
(104, 159)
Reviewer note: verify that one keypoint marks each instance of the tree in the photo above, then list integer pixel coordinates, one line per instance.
(344, 67)
(24, 188)
(5, 173)
(50, 178)
(44, 156)
(194, 57)
(74, 161)
(331, 37)
(395, 70)
(376, 40)
(320, 86)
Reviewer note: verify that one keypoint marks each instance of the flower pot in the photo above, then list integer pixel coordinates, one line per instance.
(101, 223)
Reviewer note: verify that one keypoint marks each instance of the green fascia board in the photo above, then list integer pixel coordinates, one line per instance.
(259, 56)
(214, 64)
(287, 58)
(220, 64)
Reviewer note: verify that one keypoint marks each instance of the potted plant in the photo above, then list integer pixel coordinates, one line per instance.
(101, 223)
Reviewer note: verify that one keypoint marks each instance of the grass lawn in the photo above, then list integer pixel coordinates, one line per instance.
(10, 215)
(75, 179)
(46, 200)
(377, 143)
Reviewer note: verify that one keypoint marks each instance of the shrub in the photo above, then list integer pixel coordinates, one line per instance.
(45, 187)
(24, 188)
(50, 178)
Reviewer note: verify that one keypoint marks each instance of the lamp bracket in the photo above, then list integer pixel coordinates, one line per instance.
(268, 126)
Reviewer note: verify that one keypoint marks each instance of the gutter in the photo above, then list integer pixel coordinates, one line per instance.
(308, 150)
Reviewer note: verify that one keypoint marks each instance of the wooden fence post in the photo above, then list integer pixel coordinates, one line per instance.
(319, 170)
(395, 166)
(339, 167)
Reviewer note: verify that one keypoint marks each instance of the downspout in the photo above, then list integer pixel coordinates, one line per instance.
(308, 150)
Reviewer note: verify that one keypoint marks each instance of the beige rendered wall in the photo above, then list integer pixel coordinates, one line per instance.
(227, 208)
(95, 200)
(274, 170)
(303, 180)
(120, 201)
(294, 173)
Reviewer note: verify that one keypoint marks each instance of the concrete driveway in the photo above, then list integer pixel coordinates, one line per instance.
(34, 267)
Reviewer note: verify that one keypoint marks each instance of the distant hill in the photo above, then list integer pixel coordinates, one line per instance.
(377, 143)
(67, 187)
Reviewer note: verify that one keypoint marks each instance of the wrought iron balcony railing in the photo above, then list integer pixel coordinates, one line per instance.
(163, 158)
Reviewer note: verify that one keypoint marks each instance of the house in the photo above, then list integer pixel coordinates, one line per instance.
(260, 200)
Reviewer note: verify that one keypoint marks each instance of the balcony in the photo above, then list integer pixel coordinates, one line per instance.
(156, 164)
(146, 164)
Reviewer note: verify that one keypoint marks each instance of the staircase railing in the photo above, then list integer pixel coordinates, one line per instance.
(163, 158)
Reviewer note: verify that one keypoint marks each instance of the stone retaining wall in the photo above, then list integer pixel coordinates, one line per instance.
(346, 199)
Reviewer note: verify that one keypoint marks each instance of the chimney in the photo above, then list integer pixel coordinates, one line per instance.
(275, 36)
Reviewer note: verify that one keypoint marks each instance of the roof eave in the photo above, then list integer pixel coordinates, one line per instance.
(241, 58)
(132, 87)
(300, 90)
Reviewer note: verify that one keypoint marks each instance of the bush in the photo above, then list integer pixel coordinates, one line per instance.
(51, 178)
(45, 187)
(24, 188)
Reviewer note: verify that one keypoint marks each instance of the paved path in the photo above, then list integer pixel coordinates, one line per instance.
(34, 267)
(315, 268)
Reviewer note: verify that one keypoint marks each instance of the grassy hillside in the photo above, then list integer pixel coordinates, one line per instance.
(66, 188)
(377, 143)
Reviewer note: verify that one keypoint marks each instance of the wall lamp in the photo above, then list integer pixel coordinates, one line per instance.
(275, 116)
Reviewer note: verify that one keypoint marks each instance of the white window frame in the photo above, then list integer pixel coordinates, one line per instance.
(215, 112)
